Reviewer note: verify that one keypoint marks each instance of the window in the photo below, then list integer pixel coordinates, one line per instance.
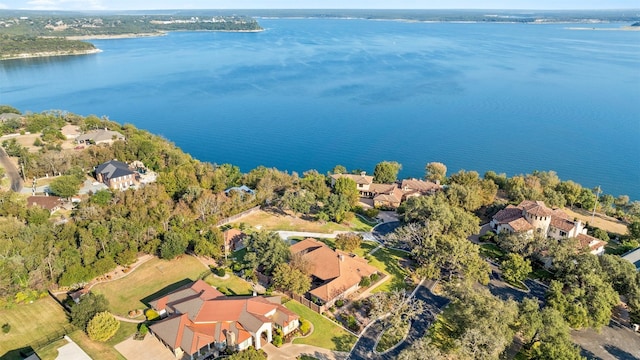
(562, 233)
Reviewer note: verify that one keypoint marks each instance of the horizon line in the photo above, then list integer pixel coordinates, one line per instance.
(359, 9)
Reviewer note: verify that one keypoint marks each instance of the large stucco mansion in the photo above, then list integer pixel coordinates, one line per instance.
(530, 216)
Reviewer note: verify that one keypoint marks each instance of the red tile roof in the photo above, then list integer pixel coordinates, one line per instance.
(202, 315)
(341, 271)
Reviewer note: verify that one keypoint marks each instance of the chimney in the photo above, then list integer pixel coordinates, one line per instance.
(341, 257)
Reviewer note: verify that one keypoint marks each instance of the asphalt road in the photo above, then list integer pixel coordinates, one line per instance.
(363, 349)
(500, 289)
(11, 171)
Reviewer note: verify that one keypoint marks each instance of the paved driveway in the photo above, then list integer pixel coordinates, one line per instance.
(11, 171)
(292, 351)
(367, 341)
(613, 342)
(502, 290)
(149, 348)
(71, 351)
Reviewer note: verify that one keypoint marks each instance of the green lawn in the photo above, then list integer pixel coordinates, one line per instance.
(391, 336)
(96, 350)
(151, 280)
(234, 284)
(50, 352)
(387, 261)
(326, 334)
(365, 248)
(491, 251)
(34, 325)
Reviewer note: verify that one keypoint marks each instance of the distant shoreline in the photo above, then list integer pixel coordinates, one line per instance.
(114, 36)
(141, 35)
(50, 54)
(624, 28)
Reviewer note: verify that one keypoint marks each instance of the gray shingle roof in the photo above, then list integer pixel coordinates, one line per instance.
(113, 169)
(633, 257)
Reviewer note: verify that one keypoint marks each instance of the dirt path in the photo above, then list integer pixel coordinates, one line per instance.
(11, 171)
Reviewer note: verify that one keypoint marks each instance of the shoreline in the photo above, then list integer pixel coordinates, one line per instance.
(624, 28)
(50, 54)
(115, 36)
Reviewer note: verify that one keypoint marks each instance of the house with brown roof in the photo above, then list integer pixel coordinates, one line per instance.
(363, 182)
(51, 203)
(335, 274)
(416, 187)
(386, 195)
(530, 216)
(199, 320)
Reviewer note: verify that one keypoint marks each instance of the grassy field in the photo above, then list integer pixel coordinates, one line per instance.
(491, 251)
(95, 349)
(326, 334)
(50, 352)
(234, 284)
(31, 324)
(151, 280)
(271, 221)
(387, 261)
(601, 221)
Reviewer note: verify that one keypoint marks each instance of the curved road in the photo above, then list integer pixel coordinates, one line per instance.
(11, 171)
(363, 349)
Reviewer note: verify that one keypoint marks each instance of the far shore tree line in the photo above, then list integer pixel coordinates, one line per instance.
(179, 213)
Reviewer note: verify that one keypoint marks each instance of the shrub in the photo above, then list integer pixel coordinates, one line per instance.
(352, 323)
(102, 326)
(277, 341)
(374, 277)
(365, 281)
(6, 328)
(221, 272)
(143, 330)
(340, 303)
(372, 213)
(305, 326)
(151, 314)
(488, 236)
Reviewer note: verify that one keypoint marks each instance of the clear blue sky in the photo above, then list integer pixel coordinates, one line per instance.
(316, 4)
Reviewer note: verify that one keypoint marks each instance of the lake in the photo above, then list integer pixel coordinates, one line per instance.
(313, 93)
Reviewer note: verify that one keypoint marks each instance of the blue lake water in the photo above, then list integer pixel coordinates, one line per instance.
(313, 93)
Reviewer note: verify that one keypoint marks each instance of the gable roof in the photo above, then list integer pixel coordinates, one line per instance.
(590, 242)
(389, 193)
(46, 202)
(9, 116)
(100, 136)
(507, 214)
(537, 208)
(361, 179)
(113, 169)
(201, 315)
(633, 257)
(419, 185)
(338, 269)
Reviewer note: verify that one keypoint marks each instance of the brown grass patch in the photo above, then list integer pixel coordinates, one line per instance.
(601, 221)
(272, 221)
(31, 324)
